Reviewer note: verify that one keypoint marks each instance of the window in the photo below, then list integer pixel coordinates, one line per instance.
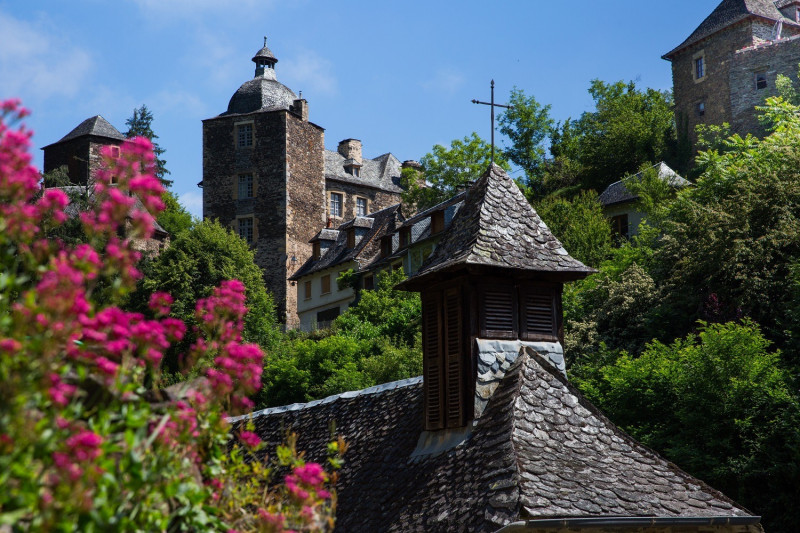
(386, 246)
(326, 284)
(336, 204)
(437, 222)
(699, 67)
(353, 170)
(324, 318)
(361, 207)
(245, 186)
(115, 152)
(244, 135)
(317, 251)
(761, 80)
(307, 290)
(797, 14)
(351, 237)
(700, 109)
(619, 226)
(369, 282)
(246, 229)
(405, 236)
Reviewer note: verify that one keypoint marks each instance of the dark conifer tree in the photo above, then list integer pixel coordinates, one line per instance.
(139, 125)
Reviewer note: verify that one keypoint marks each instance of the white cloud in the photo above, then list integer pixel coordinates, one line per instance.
(307, 71)
(37, 62)
(446, 80)
(193, 202)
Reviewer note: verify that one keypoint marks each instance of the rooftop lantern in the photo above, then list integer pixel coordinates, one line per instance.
(265, 62)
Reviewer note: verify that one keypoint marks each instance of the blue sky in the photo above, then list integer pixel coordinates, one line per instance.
(399, 75)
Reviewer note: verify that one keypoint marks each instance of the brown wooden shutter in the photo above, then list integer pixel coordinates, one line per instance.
(538, 313)
(454, 358)
(498, 312)
(433, 397)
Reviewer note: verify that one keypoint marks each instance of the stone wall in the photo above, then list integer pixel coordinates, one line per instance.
(713, 88)
(305, 198)
(780, 57)
(81, 157)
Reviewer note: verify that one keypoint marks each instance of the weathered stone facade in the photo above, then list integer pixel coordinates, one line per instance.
(714, 70)
(79, 150)
(267, 175)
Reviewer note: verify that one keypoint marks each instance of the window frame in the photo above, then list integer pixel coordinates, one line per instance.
(760, 79)
(249, 186)
(336, 208)
(699, 68)
(359, 201)
(248, 141)
(246, 233)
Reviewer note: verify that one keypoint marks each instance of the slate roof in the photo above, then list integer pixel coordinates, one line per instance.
(729, 12)
(96, 126)
(264, 93)
(497, 227)
(617, 193)
(378, 224)
(383, 172)
(539, 451)
(265, 53)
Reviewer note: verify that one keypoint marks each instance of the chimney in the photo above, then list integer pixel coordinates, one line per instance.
(300, 108)
(410, 163)
(351, 149)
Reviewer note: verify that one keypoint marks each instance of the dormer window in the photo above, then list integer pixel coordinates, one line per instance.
(386, 246)
(437, 222)
(316, 251)
(353, 171)
(405, 236)
(351, 237)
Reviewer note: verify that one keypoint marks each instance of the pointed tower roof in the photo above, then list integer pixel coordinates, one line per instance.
(96, 126)
(497, 227)
(727, 13)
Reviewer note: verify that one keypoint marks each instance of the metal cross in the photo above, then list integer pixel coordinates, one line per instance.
(492, 105)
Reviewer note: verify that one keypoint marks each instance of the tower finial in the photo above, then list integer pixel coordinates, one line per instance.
(265, 40)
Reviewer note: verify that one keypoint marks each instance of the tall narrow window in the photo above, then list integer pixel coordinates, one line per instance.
(361, 207)
(244, 135)
(351, 237)
(700, 109)
(307, 290)
(326, 283)
(246, 229)
(245, 186)
(336, 204)
(437, 222)
(699, 67)
(761, 80)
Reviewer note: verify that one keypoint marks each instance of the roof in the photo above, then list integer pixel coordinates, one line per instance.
(376, 224)
(539, 451)
(95, 126)
(729, 12)
(325, 234)
(265, 53)
(264, 93)
(383, 172)
(617, 193)
(497, 227)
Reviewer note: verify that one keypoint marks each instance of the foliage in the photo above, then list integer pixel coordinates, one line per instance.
(719, 404)
(175, 219)
(195, 262)
(527, 125)
(140, 125)
(81, 444)
(448, 170)
(375, 341)
(579, 224)
(628, 128)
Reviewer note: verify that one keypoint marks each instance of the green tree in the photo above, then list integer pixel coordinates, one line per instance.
(195, 262)
(174, 218)
(628, 128)
(140, 125)
(448, 170)
(527, 125)
(720, 405)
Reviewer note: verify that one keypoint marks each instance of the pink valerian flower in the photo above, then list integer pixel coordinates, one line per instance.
(307, 482)
(85, 445)
(60, 392)
(10, 345)
(249, 439)
(160, 303)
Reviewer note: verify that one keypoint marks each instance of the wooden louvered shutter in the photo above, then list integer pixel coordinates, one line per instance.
(433, 361)
(454, 357)
(538, 313)
(498, 312)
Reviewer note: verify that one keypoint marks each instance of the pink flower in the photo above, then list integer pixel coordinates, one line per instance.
(250, 439)
(160, 303)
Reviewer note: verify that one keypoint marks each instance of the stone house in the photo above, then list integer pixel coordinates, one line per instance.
(79, 152)
(493, 437)
(267, 174)
(620, 204)
(729, 64)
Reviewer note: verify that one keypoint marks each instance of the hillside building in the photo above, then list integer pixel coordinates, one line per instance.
(267, 175)
(730, 63)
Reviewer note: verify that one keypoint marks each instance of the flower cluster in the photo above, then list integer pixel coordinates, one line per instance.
(87, 439)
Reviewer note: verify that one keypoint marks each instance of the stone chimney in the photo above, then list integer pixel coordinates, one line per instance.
(300, 108)
(351, 149)
(410, 163)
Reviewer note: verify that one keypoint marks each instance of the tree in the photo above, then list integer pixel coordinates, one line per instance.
(197, 261)
(527, 124)
(719, 404)
(628, 128)
(449, 170)
(140, 125)
(174, 218)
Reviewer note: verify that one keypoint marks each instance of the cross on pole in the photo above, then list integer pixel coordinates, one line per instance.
(492, 105)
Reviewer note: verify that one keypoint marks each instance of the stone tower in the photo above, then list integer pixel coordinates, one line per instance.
(79, 150)
(729, 64)
(263, 175)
